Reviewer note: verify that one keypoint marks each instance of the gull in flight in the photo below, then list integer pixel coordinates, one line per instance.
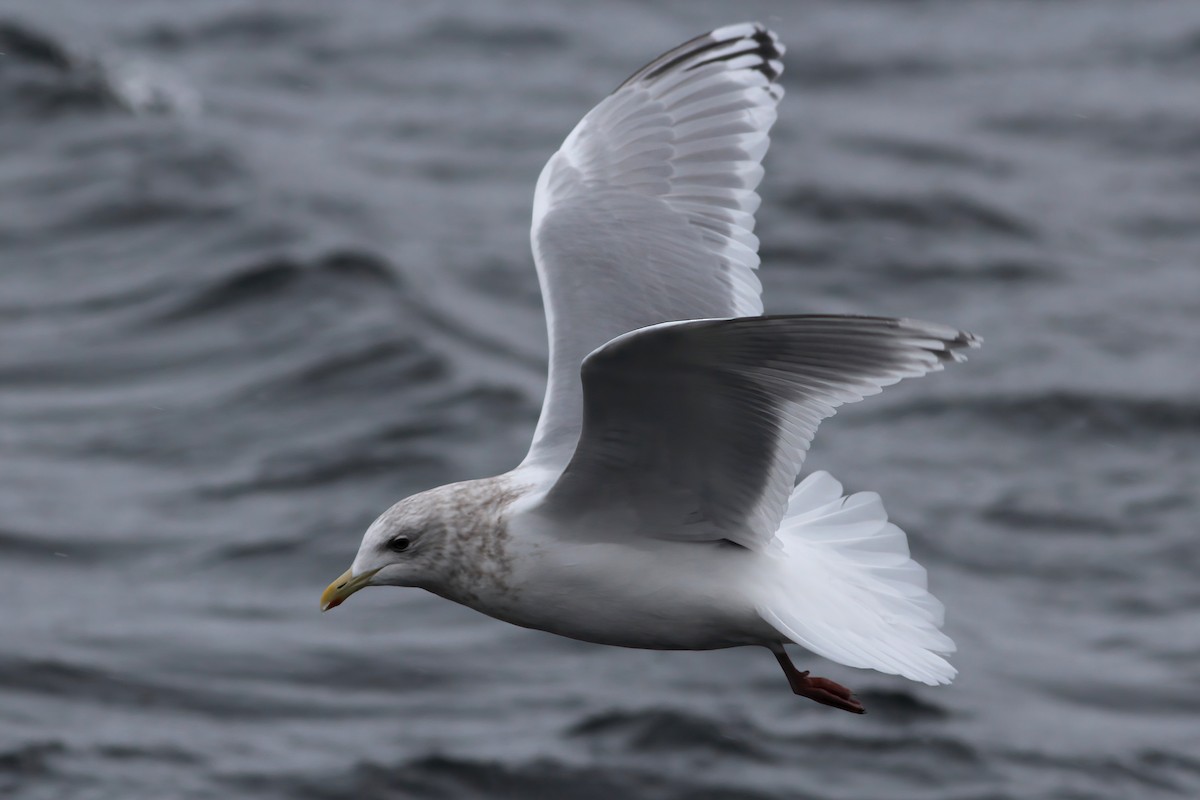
(658, 506)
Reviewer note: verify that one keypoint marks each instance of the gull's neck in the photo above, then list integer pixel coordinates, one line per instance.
(475, 559)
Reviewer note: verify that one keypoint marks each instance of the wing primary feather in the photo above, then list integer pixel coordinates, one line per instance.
(766, 46)
(646, 212)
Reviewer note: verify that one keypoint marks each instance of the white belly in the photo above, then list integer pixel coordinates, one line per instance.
(644, 593)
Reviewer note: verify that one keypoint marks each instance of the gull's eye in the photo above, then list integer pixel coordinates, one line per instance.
(399, 544)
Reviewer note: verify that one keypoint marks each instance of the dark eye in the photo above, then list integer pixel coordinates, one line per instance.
(399, 544)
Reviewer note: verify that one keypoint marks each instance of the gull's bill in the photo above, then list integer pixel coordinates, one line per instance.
(345, 585)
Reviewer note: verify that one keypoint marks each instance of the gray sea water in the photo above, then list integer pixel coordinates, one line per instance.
(264, 269)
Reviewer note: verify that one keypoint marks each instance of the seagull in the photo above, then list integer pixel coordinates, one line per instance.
(658, 507)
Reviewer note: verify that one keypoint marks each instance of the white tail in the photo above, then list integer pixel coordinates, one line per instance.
(846, 588)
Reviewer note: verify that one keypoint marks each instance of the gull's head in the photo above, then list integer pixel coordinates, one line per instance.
(401, 548)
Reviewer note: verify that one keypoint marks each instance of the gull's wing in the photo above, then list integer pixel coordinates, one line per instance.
(696, 430)
(645, 214)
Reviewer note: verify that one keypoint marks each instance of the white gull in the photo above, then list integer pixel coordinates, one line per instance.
(657, 507)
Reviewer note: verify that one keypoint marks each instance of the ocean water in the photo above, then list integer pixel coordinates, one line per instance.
(264, 270)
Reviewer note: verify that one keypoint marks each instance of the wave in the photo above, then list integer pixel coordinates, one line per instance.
(294, 471)
(441, 776)
(95, 685)
(24, 45)
(1155, 135)
(1182, 50)
(1058, 521)
(666, 774)
(926, 153)
(41, 77)
(248, 28)
(1068, 411)
(1139, 773)
(655, 730)
(943, 211)
(901, 705)
(814, 69)
(1186, 48)
(29, 761)
(49, 547)
(939, 271)
(271, 279)
(989, 270)
(507, 34)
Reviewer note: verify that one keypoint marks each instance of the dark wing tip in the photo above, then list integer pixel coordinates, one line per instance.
(758, 41)
(952, 342)
(722, 44)
(936, 344)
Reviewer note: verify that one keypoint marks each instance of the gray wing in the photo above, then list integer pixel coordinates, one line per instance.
(646, 212)
(696, 430)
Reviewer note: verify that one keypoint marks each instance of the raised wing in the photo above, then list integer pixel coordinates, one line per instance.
(646, 212)
(697, 430)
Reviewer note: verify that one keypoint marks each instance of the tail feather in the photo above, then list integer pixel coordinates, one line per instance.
(848, 590)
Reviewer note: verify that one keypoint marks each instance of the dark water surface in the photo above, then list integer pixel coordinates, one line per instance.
(264, 269)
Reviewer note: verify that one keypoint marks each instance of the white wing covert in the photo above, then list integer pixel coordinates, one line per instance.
(646, 212)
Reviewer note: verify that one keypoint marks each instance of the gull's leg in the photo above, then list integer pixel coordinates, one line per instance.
(822, 690)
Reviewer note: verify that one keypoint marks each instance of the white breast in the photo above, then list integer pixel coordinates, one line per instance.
(631, 591)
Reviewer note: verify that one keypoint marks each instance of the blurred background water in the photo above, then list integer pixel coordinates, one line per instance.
(264, 270)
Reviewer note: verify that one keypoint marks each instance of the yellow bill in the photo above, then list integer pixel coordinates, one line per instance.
(346, 584)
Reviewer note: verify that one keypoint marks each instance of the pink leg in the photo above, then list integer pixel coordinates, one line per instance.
(822, 690)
